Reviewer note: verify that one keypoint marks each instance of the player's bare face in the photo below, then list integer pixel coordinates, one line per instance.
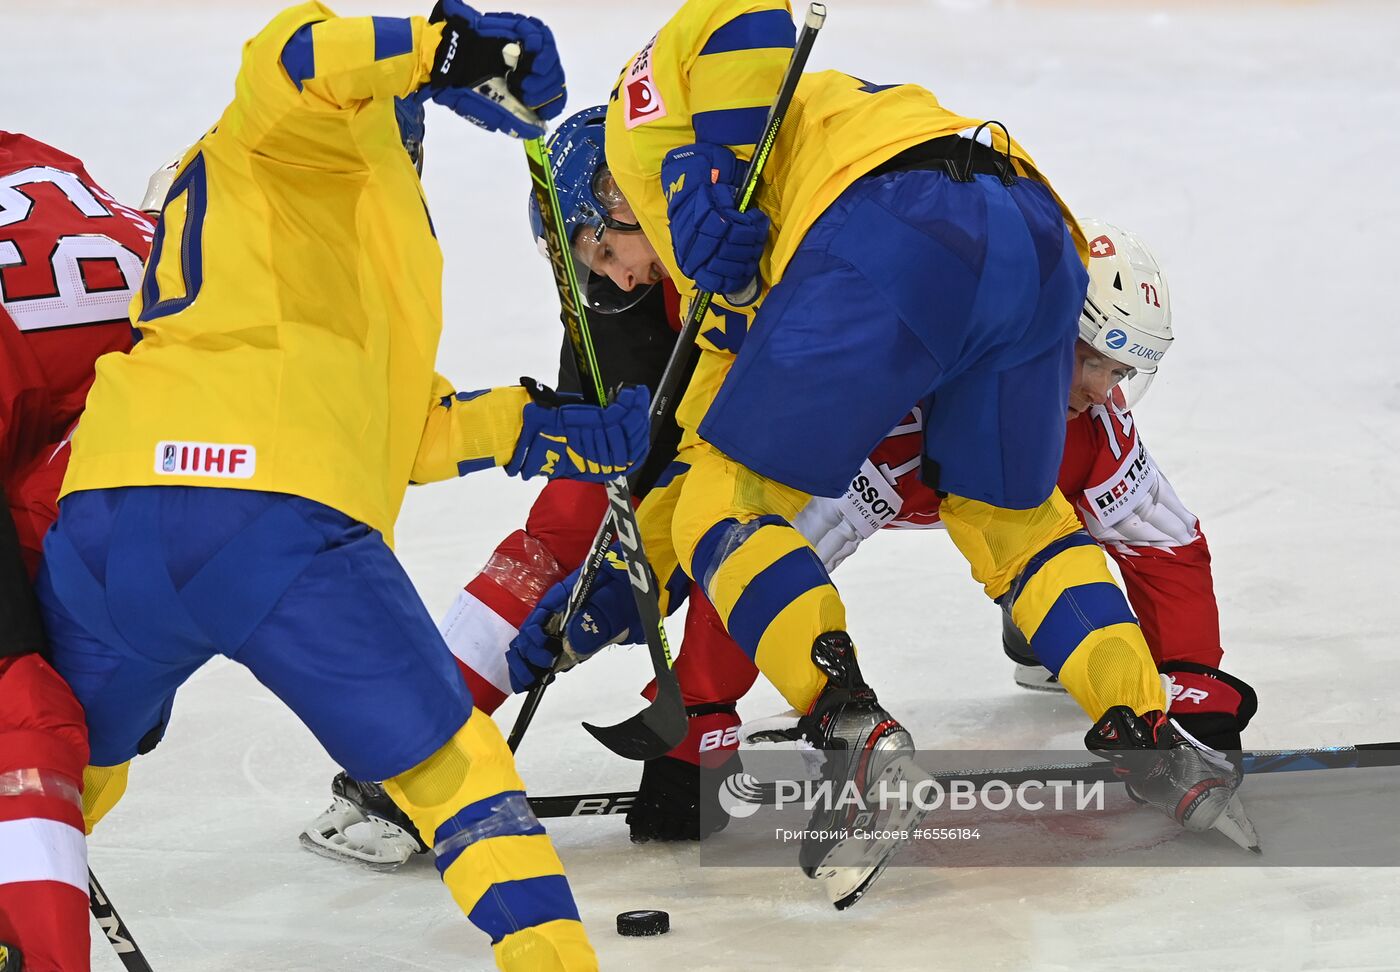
(1095, 375)
(625, 257)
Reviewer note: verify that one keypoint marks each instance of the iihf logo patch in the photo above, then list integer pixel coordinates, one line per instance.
(176, 458)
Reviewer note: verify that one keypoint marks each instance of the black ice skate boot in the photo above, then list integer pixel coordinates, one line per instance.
(363, 825)
(1029, 673)
(864, 746)
(10, 959)
(678, 797)
(1167, 769)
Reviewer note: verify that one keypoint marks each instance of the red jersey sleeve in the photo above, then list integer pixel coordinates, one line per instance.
(1129, 507)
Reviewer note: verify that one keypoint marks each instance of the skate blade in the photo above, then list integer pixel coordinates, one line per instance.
(326, 836)
(847, 884)
(1235, 824)
(1038, 679)
(846, 889)
(348, 853)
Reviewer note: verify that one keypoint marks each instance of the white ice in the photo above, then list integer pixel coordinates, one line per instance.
(1251, 142)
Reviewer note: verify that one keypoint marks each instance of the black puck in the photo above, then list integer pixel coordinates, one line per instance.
(639, 923)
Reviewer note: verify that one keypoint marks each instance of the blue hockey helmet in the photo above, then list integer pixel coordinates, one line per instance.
(409, 113)
(588, 196)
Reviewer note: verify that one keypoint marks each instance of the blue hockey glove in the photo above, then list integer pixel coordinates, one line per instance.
(715, 245)
(609, 617)
(472, 77)
(565, 439)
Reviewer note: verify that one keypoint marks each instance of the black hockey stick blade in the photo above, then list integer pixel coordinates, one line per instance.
(584, 804)
(651, 733)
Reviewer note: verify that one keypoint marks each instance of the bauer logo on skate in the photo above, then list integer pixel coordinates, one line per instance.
(1188, 695)
(217, 459)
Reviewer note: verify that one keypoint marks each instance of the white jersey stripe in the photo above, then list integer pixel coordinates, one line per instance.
(35, 849)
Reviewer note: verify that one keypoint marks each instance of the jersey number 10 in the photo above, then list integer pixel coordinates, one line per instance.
(183, 212)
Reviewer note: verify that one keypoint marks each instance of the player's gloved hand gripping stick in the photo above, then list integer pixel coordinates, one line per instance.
(662, 725)
(500, 71)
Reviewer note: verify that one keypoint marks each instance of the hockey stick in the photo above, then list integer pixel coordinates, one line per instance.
(664, 721)
(118, 935)
(1364, 756)
(637, 738)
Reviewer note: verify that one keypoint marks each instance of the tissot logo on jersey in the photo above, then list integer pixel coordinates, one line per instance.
(1114, 496)
(867, 491)
(216, 459)
(644, 102)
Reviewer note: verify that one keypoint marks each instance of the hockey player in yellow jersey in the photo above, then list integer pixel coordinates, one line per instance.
(235, 481)
(898, 255)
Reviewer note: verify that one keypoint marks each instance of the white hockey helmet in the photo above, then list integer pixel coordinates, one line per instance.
(1127, 313)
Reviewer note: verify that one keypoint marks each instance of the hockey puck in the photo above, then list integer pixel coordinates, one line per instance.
(635, 924)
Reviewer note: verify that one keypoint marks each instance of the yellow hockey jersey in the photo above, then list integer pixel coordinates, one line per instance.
(710, 75)
(291, 310)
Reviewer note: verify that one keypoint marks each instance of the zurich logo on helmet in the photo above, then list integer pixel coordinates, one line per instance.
(1115, 339)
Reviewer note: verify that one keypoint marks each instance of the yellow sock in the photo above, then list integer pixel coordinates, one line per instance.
(494, 856)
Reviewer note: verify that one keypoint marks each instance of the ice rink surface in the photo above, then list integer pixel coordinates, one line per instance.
(1250, 143)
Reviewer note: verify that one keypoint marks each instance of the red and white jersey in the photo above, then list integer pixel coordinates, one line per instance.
(1110, 478)
(70, 260)
(1130, 508)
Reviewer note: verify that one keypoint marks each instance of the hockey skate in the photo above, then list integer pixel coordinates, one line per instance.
(364, 826)
(1037, 678)
(864, 745)
(1029, 673)
(1183, 778)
